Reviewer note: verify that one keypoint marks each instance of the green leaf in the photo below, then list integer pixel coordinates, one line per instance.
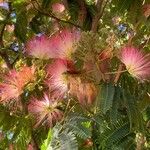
(77, 125)
(118, 134)
(63, 139)
(116, 102)
(111, 137)
(16, 128)
(73, 9)
(121, 6)
(68, 141)
(136, 11)
(135, 117)
(46, 3)
(35, 24)
(106, 96)
(79, 130)
(21, 25)
(16, 2)
(47, 142)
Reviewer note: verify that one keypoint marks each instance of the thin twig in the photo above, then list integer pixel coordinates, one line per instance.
(54, 17)
(118, 74)
(102, 75)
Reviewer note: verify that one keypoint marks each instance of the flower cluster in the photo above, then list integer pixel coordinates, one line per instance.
(60, 45)
(62, 79)
(38, 47)
(14, 83)
(60, 73)
(57, 77)
(59, 48)
(45, 110)
(63, 44)
(137, 64)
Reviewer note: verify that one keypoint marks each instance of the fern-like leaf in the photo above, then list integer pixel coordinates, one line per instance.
(106, 97)
(76, 124)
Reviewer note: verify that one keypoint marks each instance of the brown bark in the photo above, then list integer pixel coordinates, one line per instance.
(82, 13)
(100, 5)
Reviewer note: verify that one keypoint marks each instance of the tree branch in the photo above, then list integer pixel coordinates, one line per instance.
(82, 12)
(100, 8)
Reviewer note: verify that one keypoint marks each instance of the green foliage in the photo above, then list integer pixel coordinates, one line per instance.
(121, 6)
(114, 113)
(112, 136)
(46, 3)
(61, 139)
(89, 42)
(77, 125)
(46, 144)
(35, 23)
(134, 115)
(106, 96)
(121, 110)
(18, 129)
(73, 9)
(21, 21)
(68, 141)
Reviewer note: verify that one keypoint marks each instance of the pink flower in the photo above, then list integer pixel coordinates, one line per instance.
(45, 110)
(137, 64)
(64, 43)
(27, 74)
(57, 78)
(84, 91)
(60, 45)
(39, 47)
(14, 82)
(4, 5)
(146, 10)
(30, 147)
(58, 8)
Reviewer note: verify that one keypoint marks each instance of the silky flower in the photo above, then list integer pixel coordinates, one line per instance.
(58, 8)
(27, 74)
(137, 64)
(30, 147)
(64, 43)
(4, 5)
(84, 91)
(39, 47)
(14, 83)
(45, 111)
(146, 10)
(57, 80)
